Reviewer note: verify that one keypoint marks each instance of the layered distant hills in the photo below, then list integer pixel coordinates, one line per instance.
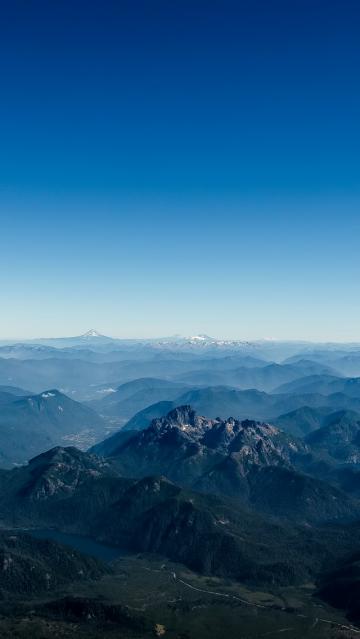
(126, 383)
(239, 460)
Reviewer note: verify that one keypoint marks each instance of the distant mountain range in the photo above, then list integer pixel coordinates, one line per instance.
(272, 349)
(239, 460)
(131, 397)
(126, 383)
(220, 401)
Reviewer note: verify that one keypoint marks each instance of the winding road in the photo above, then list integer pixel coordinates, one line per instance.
(314, 621)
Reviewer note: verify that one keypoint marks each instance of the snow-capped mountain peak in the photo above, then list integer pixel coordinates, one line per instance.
(92, 333)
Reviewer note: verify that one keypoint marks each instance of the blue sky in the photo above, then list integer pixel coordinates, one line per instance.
(180, 167)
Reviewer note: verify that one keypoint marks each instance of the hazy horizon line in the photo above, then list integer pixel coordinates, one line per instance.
(175, 336)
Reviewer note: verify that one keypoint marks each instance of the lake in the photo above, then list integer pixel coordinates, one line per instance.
(86, 545)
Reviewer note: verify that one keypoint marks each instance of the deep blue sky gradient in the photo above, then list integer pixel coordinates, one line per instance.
(183, 166)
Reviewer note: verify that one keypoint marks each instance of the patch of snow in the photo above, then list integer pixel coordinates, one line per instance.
(92, 333)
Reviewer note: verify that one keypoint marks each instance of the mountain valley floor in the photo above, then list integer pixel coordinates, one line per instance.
(147, 596)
